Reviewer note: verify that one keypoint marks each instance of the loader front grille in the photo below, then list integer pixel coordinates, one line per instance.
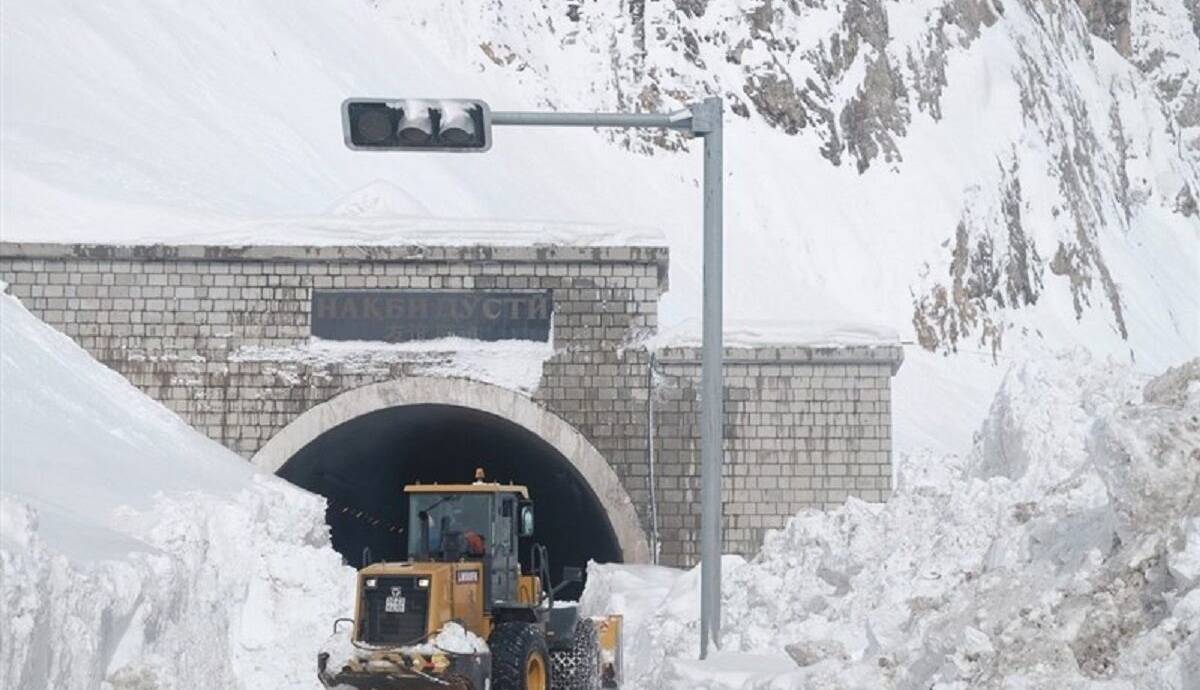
(383, 627)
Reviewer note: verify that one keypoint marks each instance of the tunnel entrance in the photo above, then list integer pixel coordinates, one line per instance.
(362, 465)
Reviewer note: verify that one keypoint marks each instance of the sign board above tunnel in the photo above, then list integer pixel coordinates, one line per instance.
(405, 315)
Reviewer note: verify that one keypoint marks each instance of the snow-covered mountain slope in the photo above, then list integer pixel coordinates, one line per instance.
(995, 180)
(136, 552)
(1063, 552)
(993, 163)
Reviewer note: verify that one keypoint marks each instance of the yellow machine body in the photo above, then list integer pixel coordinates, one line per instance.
(455, 593)
(414, 600)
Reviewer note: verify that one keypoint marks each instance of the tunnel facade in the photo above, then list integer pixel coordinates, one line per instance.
(352, 369)
(362, 447)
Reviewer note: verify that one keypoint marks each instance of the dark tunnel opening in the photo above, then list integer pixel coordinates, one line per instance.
(362, 466)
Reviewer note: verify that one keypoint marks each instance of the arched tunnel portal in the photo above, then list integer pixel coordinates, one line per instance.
(362, 447)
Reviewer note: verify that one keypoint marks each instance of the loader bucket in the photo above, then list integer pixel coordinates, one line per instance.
(406, 669)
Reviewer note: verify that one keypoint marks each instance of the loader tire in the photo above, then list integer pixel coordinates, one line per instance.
(520, 660)
(578, 668)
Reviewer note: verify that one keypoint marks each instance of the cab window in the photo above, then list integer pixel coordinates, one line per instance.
(448, 526)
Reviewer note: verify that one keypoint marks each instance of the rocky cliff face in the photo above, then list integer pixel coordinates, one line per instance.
(1109, 20)
(1105, 127)
(1164, 44)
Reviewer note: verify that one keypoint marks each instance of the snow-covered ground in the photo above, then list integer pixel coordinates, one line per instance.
(1062, 552)
(134, 552)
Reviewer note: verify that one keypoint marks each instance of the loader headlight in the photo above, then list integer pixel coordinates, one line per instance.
(423, 583)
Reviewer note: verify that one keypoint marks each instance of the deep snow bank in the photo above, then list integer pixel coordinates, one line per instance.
(77, 440)
(134, 552)
(1063, 552)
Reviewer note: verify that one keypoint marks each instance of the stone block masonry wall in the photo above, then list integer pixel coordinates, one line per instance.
(803, 426)
(172, 320)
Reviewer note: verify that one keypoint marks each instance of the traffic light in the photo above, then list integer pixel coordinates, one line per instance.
(378, 124)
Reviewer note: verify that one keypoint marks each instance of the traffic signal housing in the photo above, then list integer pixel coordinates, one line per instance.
(417, 124)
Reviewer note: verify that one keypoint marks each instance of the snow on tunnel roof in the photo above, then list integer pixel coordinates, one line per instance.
(335, 230)
(779, 333)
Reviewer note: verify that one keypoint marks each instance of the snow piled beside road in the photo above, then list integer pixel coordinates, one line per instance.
(134, 552)
(1062, 552)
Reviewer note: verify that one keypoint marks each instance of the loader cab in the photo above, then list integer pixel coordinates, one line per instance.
(484, 522)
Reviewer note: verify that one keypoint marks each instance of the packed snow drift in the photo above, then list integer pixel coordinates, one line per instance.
(1063, 552)
(134, 552)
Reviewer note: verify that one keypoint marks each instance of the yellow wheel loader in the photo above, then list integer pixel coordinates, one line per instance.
(421, 624)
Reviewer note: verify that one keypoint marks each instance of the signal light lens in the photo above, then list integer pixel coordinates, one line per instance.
(374, 125)
(414, 136)
(458, 126)
(416, 124)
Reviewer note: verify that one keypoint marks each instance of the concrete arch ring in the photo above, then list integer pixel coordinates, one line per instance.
(501, 402)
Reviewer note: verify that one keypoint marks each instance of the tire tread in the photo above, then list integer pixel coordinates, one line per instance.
(511, 644)
(578, 668)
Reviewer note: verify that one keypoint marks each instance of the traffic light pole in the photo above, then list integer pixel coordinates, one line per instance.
(701, 119)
